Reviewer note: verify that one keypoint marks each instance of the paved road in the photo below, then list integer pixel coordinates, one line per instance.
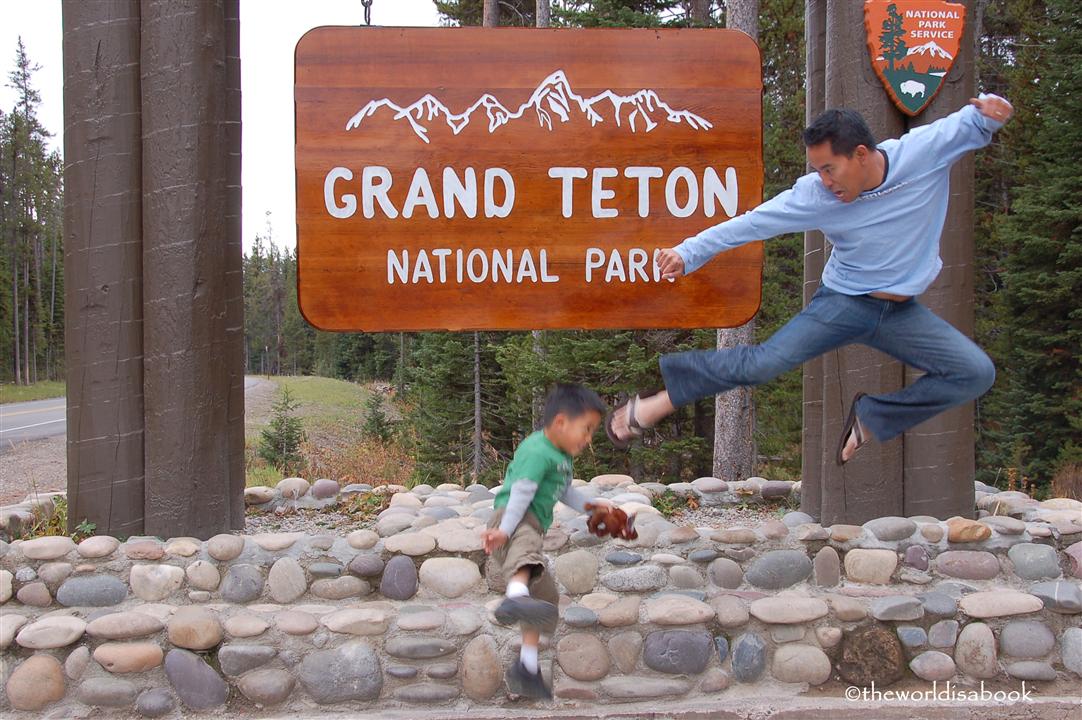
(40, 419)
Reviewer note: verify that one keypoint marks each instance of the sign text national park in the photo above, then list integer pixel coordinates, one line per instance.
(467, 178)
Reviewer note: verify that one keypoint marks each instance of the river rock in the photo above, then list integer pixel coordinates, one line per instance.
(197, 685)
(871, 654)
(678, 652)
(121, 657)
(449, 577)
(874, 566)
(37, 682)
(796, 663)
(269, 686)
(91, 591)
(54, 631)
(194, 628)
(975, 651)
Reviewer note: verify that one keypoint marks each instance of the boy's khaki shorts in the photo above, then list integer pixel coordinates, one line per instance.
(522, 549)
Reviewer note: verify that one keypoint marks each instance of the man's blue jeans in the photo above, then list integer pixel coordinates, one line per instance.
(956, 370)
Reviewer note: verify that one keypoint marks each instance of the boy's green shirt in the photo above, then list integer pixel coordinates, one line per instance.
(537, 459)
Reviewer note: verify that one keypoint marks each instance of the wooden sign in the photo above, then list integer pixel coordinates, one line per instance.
(913, 45)
(473, 178)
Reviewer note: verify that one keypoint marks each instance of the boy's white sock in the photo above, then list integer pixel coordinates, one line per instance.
(517, 589)
(528, 655)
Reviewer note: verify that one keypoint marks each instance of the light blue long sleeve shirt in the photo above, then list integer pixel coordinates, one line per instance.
(887, 239)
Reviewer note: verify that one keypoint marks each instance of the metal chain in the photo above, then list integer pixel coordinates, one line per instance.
(367, 11)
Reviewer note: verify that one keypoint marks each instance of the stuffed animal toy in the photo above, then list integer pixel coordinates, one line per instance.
(610, 521)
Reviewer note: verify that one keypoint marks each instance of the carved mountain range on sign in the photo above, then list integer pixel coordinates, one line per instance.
(928, 57)
(554, 99)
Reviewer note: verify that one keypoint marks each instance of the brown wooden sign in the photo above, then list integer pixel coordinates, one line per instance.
(472, 178)
(913, 45)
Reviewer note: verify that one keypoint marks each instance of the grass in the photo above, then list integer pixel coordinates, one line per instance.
(333, 414)
(12, 393)
(56, 523)
(672, 505)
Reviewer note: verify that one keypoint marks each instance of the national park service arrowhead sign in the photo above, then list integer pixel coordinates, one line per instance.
(913, 45)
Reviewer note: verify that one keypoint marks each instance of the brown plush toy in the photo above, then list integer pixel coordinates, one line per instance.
(610, 521)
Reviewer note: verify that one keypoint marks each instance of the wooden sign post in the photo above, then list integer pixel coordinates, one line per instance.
(467, 178)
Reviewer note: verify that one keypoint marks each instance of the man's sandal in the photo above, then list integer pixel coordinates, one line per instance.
(633, 425)
(851, 428)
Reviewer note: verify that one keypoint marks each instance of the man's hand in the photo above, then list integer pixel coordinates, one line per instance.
(993, 107)
(670, 263)
(492, 539)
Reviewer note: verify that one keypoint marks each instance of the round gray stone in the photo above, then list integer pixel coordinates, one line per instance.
(107, 692)
(635, 579)
(1031, 670)
(366, 566)
(896, 607)
(623, 557)
(1071, 649)
(195, 682)
(442, 671)
(1059, 596)
(827, 567)
(703, 556)
(933, 665)
(1026, 639)
(678, 652)
(439, 512)
(418, 648)
(686, 577)
(1034, 562)
(242, 584)
(795, 518)
(725, 573)
(236, 659)
(323, 570)
(749, 657)
(579, 616)
(943, 634)
(722, 645)
(402, 672)
(399, 580)
(891, 528)
(266, 687)
(779, 569)
(155, 703)
(348, 672)
(938, 604)
(776, 489)
(912, 637)
(91, 591)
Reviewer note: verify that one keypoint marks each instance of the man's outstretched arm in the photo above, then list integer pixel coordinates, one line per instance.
(794, 210)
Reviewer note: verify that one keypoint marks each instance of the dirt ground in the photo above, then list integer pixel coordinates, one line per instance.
(41, 465)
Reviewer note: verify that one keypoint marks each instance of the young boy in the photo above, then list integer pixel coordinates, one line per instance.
(539, 475)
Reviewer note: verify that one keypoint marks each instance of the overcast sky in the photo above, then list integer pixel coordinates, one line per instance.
(269, 29)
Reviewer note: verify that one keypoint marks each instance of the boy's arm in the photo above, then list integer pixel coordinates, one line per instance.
(522, 493)
(794, 210)
(576, 499)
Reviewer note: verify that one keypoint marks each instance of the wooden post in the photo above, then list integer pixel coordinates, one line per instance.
(103, 251)
(193, 304)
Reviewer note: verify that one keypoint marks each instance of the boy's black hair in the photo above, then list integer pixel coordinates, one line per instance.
(572, 400)
(845, 129)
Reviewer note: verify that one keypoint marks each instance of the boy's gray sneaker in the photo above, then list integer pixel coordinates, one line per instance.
(521, 681)
(526, 610)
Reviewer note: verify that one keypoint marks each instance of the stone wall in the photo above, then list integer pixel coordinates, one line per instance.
(401, 614)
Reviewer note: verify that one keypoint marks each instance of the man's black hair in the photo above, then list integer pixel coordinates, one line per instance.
(845, 129)
(573, 401)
